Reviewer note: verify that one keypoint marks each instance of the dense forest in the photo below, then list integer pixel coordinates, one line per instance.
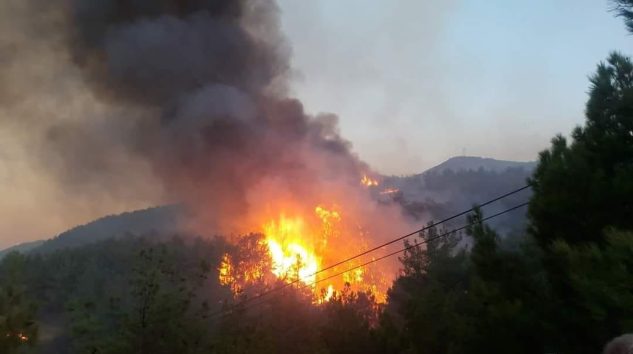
(564, 288)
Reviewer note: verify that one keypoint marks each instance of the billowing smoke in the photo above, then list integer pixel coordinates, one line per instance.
(192, 93)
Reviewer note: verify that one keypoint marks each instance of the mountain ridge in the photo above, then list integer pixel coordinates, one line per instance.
(163, 219)
(416, 188)
(460, 163)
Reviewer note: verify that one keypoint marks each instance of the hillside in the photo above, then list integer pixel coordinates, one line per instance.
(459, 183)
(447, 188)
(164, 220)
(474, 163)
(22, 247)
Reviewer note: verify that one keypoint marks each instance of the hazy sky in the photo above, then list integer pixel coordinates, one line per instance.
(416, 82)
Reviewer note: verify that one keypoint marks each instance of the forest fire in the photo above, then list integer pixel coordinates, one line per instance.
(368, 181)
(298, 248)
(292, 259)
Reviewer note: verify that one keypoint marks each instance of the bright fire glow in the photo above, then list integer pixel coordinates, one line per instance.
(328, 293)
(299, 248)
(226, 271)
(354, 276)
(292, 259)
(368, 181)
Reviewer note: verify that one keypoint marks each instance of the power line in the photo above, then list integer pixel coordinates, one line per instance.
(265, 293)
(392, 241)
(420, 243)
(420, 230)
(390, 254)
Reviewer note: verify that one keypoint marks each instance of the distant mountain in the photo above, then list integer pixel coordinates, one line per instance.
(461, 178)
(161, 220)
(473, 163)
(460, 182)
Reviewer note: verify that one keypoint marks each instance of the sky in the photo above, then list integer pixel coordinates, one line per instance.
(417, 82)
(413, 83)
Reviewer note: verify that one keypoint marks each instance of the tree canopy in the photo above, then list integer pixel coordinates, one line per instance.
(586, 185)
(624, 9)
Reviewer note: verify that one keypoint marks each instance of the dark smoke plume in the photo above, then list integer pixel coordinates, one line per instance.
(195, 92)
(156, 52)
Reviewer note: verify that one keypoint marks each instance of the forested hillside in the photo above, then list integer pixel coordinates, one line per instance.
(443, 190)
(163, 221)
(457, 185)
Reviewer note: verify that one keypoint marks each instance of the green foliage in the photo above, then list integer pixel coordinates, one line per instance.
(582, 187)
(624, 9)
(285, 323)
(508, 294)
(92, 297)
(581, 190)
(18, 327)
(490, 299)
(348, 319)
(159, 312)
(598, 302)
(425, 301)
(141, 295)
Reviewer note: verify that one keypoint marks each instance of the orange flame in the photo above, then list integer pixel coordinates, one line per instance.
(226, 270)
(368, 181)
(292, 258)
(299, 248)
(327, 294)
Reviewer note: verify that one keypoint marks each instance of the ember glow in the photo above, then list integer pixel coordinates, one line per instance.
(368, 181)
(390, 191)
(226, 271)
(20, 336)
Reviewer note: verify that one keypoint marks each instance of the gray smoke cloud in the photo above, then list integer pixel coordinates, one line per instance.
(170, 100)
(153, 52)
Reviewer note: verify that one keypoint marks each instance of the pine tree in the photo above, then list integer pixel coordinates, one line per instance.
(583, 187)
(624, 9)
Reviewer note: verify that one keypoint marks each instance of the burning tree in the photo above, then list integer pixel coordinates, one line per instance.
(297, 251)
